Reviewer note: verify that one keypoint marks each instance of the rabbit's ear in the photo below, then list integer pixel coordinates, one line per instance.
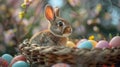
(57, 12)
(49, 13)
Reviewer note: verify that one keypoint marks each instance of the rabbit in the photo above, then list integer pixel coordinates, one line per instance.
(57, 32)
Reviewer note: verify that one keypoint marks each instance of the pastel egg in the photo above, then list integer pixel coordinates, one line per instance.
(61, 65)
(20, 64)
(81, 41)
(102, 44)
(94, 43)
(70, 44)
(85, 44)
(17, 58)
(7, 57)
(115, 41)
(3, 62)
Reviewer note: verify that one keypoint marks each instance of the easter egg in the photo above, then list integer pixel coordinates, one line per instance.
(94, 43)
(7, 57)
(70, 44)
(61, 65)
(81, 41)
(20, 64)
(3, 62)
(102, 44)
(85, 44)
(17, 58)
(115, 41)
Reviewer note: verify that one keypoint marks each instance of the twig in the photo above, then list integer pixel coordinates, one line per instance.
(39, 5)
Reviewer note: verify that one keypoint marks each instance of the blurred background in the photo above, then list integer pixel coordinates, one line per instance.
(20, 19)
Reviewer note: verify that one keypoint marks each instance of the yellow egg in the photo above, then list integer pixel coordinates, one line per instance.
(70, 44)
(93, 42)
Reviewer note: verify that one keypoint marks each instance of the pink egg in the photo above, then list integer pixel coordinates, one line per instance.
(3, 63)
(115, 41)
(102, 44)
(61, 65)
(17, 58)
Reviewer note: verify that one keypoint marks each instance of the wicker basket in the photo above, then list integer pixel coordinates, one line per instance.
(46, 56)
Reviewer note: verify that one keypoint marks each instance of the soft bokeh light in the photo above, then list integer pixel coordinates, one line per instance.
(20, 19)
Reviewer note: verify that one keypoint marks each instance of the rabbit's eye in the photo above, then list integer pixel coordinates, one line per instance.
(60, 23)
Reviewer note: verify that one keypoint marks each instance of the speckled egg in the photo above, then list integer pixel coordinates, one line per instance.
(115, 41)
(70, 44)
(85, 44)
(102, 44)
(20, 64)
(61, 65)
(94, 43)
(17, 58)
(7, 57)
(3, 62)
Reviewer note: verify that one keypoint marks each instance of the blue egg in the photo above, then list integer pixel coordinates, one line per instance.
(20, 64)
(56, 3)
(7, 57)
(85, 44)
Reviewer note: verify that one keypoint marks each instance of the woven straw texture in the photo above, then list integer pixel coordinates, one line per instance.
(46, 56)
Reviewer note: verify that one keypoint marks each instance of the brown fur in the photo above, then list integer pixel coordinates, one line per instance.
(57, 32)
(46, 38)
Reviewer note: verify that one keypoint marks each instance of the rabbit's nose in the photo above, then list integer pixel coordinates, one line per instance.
(67, 30)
